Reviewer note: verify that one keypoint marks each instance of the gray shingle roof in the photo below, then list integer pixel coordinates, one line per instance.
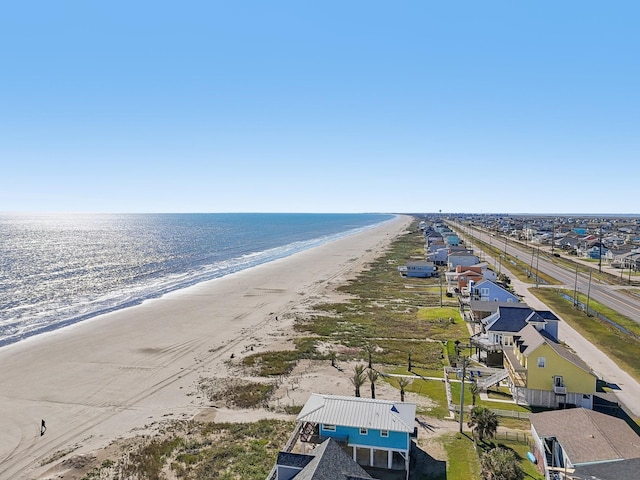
(328, 462)
(616, 470)
(529, 339)
(513, 319)
(295, 460)
(510, 319)
(588, 436)
(484, 306)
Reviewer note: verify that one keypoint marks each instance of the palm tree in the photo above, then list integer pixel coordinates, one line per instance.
(402, 383)
(358, 378)
(500, 464)
(369, 349)
(483, 422)
(475, 390)
(373, 377)
(333, 355)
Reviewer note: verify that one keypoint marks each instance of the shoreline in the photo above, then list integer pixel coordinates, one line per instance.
(234, 265)
(97, 380)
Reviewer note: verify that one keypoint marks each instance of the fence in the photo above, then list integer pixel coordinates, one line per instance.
(514, 436)
(454, 407)
(591, 312)
(510, 413)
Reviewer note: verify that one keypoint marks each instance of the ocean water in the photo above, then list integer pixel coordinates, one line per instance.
(60, 269)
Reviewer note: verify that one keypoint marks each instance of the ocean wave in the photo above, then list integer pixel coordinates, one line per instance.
(22, 321)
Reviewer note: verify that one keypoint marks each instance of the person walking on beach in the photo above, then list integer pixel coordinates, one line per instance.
(43, 428)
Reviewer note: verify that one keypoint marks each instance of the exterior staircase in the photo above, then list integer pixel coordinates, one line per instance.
(486, 382)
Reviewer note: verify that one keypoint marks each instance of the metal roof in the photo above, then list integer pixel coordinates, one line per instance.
(359, 412)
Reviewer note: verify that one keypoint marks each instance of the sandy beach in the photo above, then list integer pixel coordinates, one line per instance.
(110, 377)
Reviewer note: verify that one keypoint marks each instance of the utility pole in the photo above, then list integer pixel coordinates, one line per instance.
(599, 256)
(575, 289)
(464, 373)
(537, 262)
(440, 281)
(553, 236)
(533, 254)
(589, 291)
(505, 255)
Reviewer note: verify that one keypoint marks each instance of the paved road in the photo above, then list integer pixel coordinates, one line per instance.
(603, 366)
(603, 293)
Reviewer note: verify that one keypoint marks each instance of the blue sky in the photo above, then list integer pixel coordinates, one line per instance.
(350, 106)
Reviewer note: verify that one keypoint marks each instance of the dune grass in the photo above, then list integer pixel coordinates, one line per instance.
(195, 451)
(391, 316)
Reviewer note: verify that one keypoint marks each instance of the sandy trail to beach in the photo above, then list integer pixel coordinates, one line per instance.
(105, 378)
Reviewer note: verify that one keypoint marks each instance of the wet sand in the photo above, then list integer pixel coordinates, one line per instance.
(111, 376)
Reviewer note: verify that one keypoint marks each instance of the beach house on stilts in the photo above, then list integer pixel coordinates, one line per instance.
(375, 433)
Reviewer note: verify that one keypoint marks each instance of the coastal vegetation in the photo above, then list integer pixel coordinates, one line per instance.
(398, 330)
(191, 450)
(237, 393)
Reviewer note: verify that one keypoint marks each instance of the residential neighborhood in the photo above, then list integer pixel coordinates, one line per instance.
(511, 348)
(614, 240)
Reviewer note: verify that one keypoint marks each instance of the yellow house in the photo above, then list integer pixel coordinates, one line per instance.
(543, 373)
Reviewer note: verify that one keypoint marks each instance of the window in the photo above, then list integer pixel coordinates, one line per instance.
(329, 428)
(484, 292)
(384, 433)
(363, 431)
(541, 362)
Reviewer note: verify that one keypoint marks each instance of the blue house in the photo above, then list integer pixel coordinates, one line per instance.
(487, 291)
(438, 254)
(375, 433)
(420, 269)
(452, 239)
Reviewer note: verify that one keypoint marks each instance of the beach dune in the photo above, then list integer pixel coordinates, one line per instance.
(111, 376)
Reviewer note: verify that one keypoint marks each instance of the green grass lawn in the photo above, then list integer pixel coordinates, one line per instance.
(520, 449)
(460, 446)
(386, 314)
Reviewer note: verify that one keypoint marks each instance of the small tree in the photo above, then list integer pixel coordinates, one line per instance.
(409, 360)
(403, 383)
(333, 355)
(483, 422)
(369, 349)
(475, 390)
(373, 377)
(358, 378)
(500, 464)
